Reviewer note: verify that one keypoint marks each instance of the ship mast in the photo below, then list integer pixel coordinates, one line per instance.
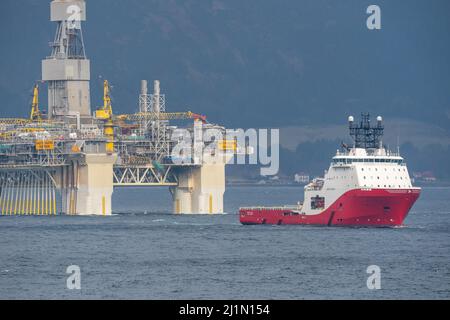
(365, 135)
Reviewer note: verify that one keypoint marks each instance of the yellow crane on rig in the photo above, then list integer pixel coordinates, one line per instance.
(105, 113)
(35, 114)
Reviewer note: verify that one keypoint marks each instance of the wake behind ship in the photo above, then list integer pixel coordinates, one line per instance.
(365, 185)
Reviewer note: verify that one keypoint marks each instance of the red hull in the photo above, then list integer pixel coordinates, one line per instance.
(375, 207)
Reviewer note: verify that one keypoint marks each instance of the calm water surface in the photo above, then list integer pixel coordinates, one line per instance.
(144, 252)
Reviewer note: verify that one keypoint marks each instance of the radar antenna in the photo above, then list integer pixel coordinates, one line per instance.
(364, 135)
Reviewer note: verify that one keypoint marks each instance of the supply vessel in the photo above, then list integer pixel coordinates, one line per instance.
(365, 185)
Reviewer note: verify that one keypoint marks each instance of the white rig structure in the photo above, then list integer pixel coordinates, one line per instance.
(69, 161)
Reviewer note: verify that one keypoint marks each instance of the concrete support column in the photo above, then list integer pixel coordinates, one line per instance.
(86, 185)
(200, 190)
(95, 185)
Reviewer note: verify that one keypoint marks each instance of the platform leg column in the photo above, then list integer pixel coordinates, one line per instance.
(95, 185)
(200, 190)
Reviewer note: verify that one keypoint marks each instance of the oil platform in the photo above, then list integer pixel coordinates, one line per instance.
(68, 159)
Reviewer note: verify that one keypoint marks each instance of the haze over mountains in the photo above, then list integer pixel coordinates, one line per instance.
(302, 66)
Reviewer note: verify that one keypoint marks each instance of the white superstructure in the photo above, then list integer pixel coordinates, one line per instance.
(365, 166)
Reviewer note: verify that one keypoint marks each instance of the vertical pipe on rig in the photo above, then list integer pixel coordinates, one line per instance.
(21, 180)
(54, 200)
(2, 197)
(46, 187)
(33, 210)
(17, 189)
(28, 203)
(39, 195)
(8, 204)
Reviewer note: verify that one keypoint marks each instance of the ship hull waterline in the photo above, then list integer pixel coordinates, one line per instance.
(358, 207)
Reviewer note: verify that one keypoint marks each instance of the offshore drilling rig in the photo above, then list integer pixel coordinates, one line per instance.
(67, 160)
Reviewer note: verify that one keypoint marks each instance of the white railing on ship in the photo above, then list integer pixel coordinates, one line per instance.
(389, 153)
(272, 208)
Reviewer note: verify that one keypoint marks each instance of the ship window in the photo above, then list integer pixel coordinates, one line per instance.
(317, 202)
